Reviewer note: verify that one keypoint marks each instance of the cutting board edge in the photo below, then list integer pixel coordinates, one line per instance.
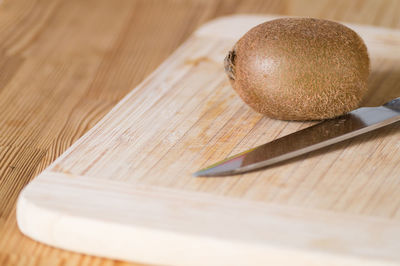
(241, 23)
(37, 213)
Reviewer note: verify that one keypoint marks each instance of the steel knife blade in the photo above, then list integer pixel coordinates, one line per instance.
(326, 133)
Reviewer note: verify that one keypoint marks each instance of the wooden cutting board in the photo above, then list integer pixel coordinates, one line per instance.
(125, 189)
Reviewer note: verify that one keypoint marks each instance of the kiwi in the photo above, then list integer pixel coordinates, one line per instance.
(299, 69)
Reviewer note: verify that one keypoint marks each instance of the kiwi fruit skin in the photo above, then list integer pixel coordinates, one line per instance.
(300, 69)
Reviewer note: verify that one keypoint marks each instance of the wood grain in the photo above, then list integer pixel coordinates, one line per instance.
(134, 167)
(64, 64)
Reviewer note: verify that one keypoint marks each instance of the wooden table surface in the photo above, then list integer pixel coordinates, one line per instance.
(64, 64)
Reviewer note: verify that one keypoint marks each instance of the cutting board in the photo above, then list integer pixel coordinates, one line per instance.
(125, 189)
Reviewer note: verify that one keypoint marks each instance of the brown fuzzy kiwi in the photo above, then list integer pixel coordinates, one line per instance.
(299, 69)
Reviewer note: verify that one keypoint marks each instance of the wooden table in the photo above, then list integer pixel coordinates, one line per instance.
(64, 64)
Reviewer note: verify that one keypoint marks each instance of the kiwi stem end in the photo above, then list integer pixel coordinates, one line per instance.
(229, 64)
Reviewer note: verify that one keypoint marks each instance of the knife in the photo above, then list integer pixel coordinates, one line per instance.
(326, 133)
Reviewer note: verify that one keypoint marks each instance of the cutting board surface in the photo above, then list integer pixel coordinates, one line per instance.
(125, 189)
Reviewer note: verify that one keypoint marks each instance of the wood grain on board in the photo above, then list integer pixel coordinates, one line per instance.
(65, 64)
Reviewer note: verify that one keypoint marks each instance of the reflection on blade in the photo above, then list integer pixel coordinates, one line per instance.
(315, 137)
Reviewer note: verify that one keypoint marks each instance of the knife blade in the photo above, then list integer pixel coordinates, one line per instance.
(328, 132)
